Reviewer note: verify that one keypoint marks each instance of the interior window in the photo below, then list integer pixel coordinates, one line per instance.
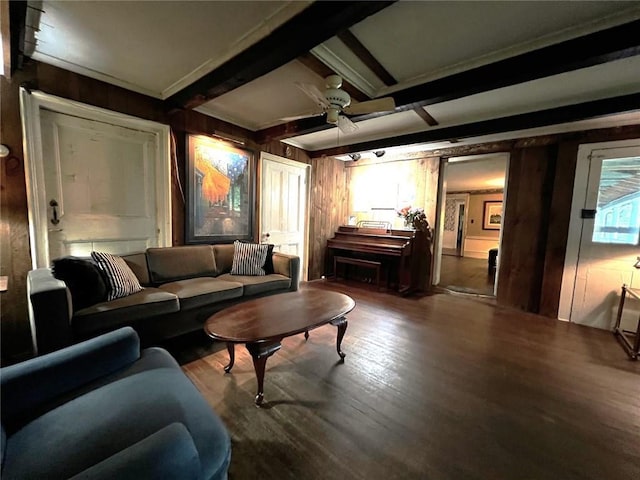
(618, 211)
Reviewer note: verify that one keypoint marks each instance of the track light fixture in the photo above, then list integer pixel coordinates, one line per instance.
(379, 153)
(355, 156)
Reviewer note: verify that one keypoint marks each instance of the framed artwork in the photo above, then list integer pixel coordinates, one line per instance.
(220, 191)
(492, 215)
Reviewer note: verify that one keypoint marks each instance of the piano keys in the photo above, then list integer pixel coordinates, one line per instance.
(393, 248)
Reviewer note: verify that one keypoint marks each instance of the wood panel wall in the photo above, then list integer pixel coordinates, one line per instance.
(558, 231)
(528, 201)
(14, 240)
(328, 209)
(537, 208)
(14, 237)
(15, 259)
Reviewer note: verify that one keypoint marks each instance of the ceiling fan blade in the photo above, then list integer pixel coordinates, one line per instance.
(314, 113)
(314, 93)
(383, 104)
(345, 125)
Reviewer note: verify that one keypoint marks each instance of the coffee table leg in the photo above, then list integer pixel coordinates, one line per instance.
(260, 352)
(341, 323)
(232, 356)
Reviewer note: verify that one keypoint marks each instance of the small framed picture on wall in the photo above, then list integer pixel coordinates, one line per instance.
(492, 216)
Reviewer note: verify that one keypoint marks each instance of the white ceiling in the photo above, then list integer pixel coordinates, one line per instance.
(153, 47)
(158, 48)
(482, 172)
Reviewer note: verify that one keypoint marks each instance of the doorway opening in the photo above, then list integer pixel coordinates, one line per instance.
(470, 227)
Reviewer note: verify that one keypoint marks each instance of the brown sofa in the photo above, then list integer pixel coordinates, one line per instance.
(183, 287)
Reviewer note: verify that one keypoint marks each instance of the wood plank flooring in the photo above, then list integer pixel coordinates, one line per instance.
(466, 274)
(433, 387)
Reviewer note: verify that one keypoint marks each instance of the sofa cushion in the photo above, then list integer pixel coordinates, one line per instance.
(167, 453)
(121, 281)
(168, 264)
(137, 262)
(224, 257)
(196, 292)
(248, 258)
(122, 311)
(110, 419)
(83, 279)
(255, 285)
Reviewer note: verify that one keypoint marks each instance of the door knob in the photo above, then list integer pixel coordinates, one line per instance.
(54, 216)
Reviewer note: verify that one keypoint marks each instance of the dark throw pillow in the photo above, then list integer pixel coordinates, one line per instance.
(268, 263)
(83, 278)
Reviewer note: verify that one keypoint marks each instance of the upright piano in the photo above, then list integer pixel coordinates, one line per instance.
(392, 248)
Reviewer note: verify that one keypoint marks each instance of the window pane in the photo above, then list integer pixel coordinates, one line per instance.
(618, 211)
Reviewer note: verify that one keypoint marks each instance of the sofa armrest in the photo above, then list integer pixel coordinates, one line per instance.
(169, 454)
(289, 266)
(50, 311)
(31, 384)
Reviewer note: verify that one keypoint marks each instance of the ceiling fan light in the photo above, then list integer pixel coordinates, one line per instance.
(332, 115)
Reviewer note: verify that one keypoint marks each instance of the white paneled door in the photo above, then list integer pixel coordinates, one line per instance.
(610, 233)
(283, 205)
(97, 182)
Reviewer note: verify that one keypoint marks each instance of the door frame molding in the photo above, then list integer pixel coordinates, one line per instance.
(30, 104)
(572, 251)
(440, 209)
(307, 198)
(460, 199)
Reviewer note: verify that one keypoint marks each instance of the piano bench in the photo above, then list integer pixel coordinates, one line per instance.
(358, 262)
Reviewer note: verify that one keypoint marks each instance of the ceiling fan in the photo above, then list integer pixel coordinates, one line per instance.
(336, 103)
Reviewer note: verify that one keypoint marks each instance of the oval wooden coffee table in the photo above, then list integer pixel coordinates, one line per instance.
(262, 323)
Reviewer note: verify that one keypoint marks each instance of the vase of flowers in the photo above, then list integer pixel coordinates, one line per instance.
(409, 215)
(417, 219)
(421, 264)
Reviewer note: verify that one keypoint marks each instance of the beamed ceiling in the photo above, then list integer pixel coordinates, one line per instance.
(458, 72)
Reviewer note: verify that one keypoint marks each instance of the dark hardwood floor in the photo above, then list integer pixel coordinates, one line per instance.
(433, 387)
(466, 275)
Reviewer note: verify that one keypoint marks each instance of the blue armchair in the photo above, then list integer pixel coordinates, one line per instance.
(104, 409)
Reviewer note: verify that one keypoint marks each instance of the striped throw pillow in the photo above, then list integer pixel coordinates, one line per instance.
(248, 258)
(121, 281)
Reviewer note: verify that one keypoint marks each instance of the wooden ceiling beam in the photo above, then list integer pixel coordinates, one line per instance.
(363, 53)
(541, 118)
(593, 49)
(17, 21)
(312, 63)
(424, 115)
(596, 48)
(291, 129)
(315, 24)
